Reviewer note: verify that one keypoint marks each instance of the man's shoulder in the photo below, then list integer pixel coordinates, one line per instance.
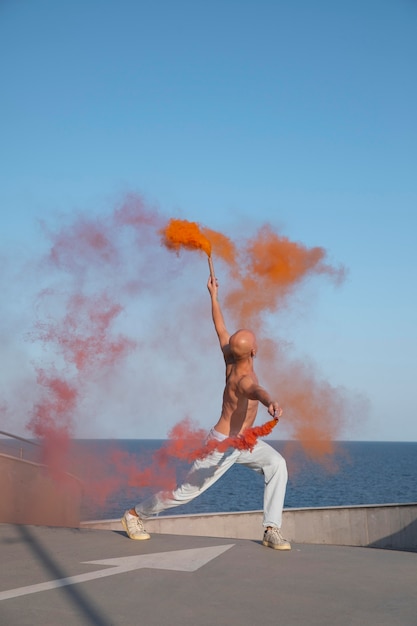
(236, 378)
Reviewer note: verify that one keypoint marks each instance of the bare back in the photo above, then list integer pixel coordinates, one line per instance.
(238, 412)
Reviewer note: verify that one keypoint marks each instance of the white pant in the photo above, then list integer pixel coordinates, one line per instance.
(205, 472)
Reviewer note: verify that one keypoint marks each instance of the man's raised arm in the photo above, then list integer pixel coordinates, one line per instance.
(217, 315)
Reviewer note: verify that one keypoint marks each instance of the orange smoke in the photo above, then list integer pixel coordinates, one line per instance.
(96, 265)
(266, 269)
(270, 269)
(222, 246)
(183, 234)
(185, 441)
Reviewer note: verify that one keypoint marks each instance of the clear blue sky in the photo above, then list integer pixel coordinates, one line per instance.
(229, 113)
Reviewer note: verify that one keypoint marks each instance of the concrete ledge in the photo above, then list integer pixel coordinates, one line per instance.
(383, 526)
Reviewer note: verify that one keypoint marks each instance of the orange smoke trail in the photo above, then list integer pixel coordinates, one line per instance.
(82, 336)
(80, 329)
(271, 268)
(222, 246)
(120, 469)
(51, 420)
(181, 233)
(185, 441)
(189, 235)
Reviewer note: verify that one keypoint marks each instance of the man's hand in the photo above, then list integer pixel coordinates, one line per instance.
(213, 286)
(275, 410)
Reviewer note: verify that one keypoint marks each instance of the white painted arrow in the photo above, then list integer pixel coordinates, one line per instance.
(179, 560)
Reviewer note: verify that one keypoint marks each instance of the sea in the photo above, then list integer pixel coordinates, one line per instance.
(356, 473)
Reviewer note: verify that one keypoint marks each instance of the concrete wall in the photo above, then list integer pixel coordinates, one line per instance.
(29, 495)
(383, 526)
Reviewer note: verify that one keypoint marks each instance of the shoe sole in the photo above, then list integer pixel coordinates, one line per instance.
(275, 546)
(141, 538)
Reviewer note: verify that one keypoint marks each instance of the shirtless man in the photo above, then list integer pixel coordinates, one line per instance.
(242, 394)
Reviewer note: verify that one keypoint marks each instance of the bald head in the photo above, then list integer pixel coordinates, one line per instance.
(242, 344)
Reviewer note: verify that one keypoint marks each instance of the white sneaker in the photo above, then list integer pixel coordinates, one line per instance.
(134, 527)
(273, 539)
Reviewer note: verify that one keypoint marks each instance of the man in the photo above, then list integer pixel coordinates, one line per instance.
(241, 396)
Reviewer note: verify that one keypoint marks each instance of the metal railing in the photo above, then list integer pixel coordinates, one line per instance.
(17, 438)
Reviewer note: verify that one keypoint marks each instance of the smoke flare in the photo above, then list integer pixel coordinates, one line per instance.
(182, 233)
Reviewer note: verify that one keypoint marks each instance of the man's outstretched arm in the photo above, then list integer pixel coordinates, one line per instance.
(217, 315)
(253, 391)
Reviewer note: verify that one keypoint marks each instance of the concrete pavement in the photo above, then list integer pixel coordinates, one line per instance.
(51, 576)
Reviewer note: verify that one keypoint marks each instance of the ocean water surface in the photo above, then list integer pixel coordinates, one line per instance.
(358, 473)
